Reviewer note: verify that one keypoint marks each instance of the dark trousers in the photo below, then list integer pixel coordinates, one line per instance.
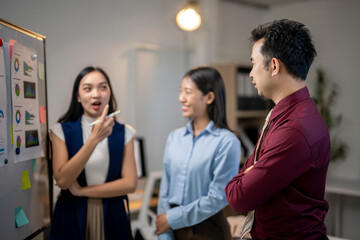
(214, 228)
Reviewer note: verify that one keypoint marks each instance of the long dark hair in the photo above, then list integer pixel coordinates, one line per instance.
(208, 79)
(75, 109)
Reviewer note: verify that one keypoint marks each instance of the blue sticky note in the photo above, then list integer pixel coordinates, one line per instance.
(34, 165)
(20, 217)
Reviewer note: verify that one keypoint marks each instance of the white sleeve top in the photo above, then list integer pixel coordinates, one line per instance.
(97, 166)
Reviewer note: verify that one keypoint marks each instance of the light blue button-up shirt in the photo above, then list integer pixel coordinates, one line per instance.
(196, 171)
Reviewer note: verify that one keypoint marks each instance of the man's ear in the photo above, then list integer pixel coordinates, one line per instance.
(210, 97)
(275, 66)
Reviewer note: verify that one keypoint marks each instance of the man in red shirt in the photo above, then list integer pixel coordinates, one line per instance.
(285, 183)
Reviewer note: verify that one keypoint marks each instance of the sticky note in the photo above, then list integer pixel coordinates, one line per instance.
(41, 71)
(42, 114)
(20, 217)
(11, 42)
(34, 165)
(25, 180)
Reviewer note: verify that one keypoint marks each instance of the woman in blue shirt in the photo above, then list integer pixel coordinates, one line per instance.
(199, 160)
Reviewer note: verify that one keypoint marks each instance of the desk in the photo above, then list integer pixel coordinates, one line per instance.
(136, 198)
(341, 187)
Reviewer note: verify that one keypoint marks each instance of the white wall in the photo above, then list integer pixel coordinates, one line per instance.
(110, 34)
(235, 24)
(90, 32)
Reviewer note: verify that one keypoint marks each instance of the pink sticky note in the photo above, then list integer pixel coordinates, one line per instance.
(12, 42)
(42, 114)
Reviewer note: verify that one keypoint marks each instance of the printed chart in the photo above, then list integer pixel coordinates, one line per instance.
(25, 107)
(3, 113)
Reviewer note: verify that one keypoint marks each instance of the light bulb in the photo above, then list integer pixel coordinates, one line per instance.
(188, 19)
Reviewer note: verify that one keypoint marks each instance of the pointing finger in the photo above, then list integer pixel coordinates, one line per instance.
(105, 111)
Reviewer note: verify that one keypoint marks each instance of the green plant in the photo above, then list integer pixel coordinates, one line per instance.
(325, 96)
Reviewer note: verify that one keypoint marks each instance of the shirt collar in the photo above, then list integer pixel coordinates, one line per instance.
(86, 119)
(210, 128)
(289, 101)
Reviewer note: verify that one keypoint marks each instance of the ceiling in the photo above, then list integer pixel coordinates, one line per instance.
(264, 3)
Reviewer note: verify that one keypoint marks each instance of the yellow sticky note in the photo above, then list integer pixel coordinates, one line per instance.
(41, 71)
(25, 180)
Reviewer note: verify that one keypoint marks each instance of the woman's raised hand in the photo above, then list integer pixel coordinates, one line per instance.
(104, 127)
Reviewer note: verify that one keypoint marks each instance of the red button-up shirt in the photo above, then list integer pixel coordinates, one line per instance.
(286, 186)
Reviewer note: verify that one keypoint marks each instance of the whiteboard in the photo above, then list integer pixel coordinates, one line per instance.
(25, 206)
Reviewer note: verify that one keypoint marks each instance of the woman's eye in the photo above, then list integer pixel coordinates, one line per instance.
(104, 87)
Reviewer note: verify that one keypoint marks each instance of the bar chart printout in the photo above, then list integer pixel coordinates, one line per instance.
(25, 107)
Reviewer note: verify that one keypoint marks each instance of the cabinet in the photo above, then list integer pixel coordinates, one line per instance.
(245, 110)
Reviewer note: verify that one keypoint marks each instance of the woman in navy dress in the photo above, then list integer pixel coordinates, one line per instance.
(93, 165)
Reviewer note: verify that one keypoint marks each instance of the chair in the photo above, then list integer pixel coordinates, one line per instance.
(145, 222)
